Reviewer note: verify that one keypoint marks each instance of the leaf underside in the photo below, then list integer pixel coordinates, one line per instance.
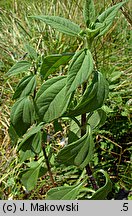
(94, 96)
(101, 193)
(64, 192)
(78, 153)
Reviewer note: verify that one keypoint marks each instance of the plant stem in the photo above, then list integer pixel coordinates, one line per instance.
(83, 124)
(92, 179)
(83, 132)
(48, 165)
(83, 116)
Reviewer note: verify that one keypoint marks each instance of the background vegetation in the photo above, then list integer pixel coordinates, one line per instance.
(112, 54)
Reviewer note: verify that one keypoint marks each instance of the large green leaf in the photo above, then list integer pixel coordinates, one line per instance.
(26, 147)
(21, 115)
(61, 24)
(28, 138)
(74, 127)
(72, 137)
(79, 70)
(78, 153)
(101, 193)
(28, 111)
(107, 17)
(64, 192)
(37, 142)
(93, 97)
(89, 12)
(25, 86)
(30, 176)
(52, 62)
(20, 66)
(97, 119)
(13, 135)
(51, 101)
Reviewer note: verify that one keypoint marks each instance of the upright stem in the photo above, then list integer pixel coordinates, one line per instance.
(48, 165)
(83, 132)
(92, 179)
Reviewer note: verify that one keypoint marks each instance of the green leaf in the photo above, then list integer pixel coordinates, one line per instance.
(37, 142)
(51, 101)
(78, 153)
(64, 192)
(13, 135)
(31, 51)
(18, 118)
(92, 33)
(94, 96)
(74, 127)
(30, 87)
(20, 66)
(107, 18)
(29, 136)
(52, 62)
(26, 154)
(101, 193)
(89, 12)
(21, 86)
(97, 119)
(30, 176)
(61, 24)
(79, 70)
(28, 111)
(32, 163)
(26, 146)
(72, 137)
(42, 171)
